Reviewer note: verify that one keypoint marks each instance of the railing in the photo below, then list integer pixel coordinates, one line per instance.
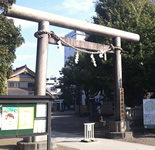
(135, 115)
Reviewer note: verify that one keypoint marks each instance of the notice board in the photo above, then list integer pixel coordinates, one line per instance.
(24, 117)
(149, 113)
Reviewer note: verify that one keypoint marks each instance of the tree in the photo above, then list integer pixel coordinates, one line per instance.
(86, 77)
(133, 16)
(10, 39)
(138, 64)
(76, 76)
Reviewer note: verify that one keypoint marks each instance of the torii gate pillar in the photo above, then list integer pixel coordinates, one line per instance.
(117, 77)
(118, 128)
(41, 60)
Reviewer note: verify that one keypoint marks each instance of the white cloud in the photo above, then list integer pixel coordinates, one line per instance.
(72, 7)
(78, 5)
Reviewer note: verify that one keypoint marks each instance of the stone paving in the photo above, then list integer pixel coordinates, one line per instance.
(68, 122)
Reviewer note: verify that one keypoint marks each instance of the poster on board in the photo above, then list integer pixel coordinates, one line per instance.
(41, 110)
(9, 118)
(149, 112)
(39, 126)
(26, 117)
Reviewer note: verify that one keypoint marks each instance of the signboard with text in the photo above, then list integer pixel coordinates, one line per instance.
(149, 113)
(122, 109)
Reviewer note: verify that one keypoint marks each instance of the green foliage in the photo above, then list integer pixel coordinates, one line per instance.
(134, 16)
(86, 77)
(138, 64)
(10, 39)
(4, 4)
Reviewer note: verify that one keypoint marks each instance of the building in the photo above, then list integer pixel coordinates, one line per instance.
(53, 86)
(21, 82)
(78, 35)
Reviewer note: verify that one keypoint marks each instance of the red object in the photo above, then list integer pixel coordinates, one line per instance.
(9, 115)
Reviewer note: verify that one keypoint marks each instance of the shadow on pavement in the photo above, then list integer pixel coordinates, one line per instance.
(69, 122)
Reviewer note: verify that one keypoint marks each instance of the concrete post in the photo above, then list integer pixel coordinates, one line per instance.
(60, 106)
(118, 128)
(41, 67)
(41, 62)
(117, 77)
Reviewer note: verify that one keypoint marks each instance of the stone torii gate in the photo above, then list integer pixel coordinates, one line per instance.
(45, 19)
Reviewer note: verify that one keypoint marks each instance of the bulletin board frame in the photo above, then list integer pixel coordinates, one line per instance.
(25, 106)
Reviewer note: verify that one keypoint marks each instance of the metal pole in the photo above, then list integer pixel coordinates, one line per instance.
(117, 77)
(41, 62)
(65, 22)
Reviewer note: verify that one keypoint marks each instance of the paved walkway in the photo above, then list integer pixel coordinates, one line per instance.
(9, 144)
(74, 141)
(71, 141)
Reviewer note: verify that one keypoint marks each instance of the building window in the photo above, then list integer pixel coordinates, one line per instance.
(31, 85)
(23, 85)
(13, 84)
(20, 85)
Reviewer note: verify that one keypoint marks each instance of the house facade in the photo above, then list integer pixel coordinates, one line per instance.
(22, 81)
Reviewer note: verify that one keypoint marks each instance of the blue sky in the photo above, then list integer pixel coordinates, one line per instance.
(26, 54)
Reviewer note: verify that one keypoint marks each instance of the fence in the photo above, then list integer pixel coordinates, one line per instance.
(135, 115)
